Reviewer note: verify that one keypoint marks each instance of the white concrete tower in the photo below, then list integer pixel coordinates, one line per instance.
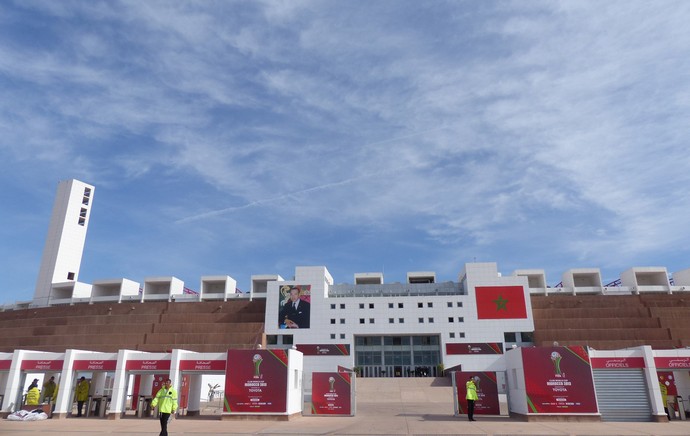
(66, 236)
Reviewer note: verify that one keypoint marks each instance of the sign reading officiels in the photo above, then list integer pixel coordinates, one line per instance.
(558, 380)
(256, 381)
(331, 393)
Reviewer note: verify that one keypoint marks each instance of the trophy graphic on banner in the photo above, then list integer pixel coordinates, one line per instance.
(556, 360)
(476, 382)
(331, 384)
(257, 363)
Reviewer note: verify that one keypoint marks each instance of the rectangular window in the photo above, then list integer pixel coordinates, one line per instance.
(70, 276)
(461, 319)
(332, 335)
(361, 320)
(429, 304)
(390, 305)
(509, 337)
(271, 339)
(332, 320)
(342, 305)
(450, 304)
(451, 334)
(342, 320)
(287, 340)
(332, 306)
(462, 334)
(361, 305)
(400, 305)
(371, 305)
(459, 304)
(371, 320)
(420, 304)
(451, 319)
(391, 320)
(342, 336)
(421, 320)
(81, 221)
(401, 320)
(431, 319)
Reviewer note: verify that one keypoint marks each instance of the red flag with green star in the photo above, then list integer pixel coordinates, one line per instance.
(500, 302)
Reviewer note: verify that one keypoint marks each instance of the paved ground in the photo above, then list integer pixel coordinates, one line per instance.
(371, 419)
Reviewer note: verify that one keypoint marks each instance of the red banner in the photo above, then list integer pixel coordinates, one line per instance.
(256, 381)
(147, 365)
(5, 365)
(202, 365)
(42, 364)
(331, 393)
(500, 302)
(672, 362)
(475, 348)
(94, 365)
(324, 349)
(617, 362)
(558, 380)
(487, 392)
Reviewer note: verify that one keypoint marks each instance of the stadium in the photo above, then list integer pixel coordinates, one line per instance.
(620, 340)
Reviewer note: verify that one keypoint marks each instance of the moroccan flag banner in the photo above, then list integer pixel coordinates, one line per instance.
(500, 302)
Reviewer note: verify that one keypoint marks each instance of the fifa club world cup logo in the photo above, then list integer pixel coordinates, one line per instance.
(257, 364)
(476, 382)
(556, 360)
(331, 384)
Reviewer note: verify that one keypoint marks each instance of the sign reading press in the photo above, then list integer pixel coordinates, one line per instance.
(256, 381)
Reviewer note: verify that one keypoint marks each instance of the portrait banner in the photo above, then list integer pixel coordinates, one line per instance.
(294, 310)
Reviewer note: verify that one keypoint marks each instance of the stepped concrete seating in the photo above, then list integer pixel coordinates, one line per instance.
(149, 326)
(612, 322)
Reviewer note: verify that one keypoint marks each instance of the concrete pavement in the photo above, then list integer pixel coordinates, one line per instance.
(372, 419)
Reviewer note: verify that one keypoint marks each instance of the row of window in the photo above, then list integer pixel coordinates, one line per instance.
(85, 202)
(399, 305)
(420, 320)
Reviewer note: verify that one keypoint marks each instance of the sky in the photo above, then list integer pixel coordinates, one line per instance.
(250, 137)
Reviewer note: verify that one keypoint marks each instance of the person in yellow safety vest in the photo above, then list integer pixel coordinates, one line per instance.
(82, 395)
(664, 397)
(33, 395)
(48, 389)
(167, 397)
(471, 397)
(53, 399)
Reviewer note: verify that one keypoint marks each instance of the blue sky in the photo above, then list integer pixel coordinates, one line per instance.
(246, 138)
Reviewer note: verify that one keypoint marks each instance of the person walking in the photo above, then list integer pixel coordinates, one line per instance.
(471, 397)
(166, 400)
(82, 395)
